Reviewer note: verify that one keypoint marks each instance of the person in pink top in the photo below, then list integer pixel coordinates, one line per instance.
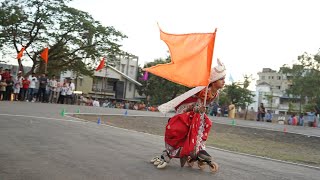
(294, 120)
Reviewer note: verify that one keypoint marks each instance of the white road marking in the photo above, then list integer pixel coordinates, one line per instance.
(36, 117)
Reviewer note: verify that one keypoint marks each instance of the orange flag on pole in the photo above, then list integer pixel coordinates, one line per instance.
(101, 65)
(191, 58)
(20, 54)
(44, 55)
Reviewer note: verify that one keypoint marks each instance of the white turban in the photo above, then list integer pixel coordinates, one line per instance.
(217, 73)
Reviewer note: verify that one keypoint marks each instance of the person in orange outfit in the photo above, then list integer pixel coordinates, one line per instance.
(187, 131)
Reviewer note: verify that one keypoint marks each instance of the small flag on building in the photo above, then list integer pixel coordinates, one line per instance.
(101, 65)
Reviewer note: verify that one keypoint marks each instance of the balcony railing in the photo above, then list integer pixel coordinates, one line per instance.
(106, 90)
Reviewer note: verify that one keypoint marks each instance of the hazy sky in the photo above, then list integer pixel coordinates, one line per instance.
(251, 34)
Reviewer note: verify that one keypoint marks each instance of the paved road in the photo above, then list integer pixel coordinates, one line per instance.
(38, 143)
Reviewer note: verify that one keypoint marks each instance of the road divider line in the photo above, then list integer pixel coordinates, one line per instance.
(36, 117)
(103, 114)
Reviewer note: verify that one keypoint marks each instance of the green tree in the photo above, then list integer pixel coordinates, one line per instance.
(159, 89)
(304, 78)
(240, 96)
(75, 40)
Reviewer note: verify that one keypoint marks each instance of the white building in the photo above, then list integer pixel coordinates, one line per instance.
(118, 80)
(271, 91)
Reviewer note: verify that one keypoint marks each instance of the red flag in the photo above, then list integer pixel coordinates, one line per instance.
(44, 55)
(20, 54)
(191, 58)
(101, 65)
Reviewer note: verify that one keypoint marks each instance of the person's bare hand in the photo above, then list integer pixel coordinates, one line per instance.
(202, 109)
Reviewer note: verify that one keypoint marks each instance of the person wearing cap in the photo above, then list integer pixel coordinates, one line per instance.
(187, 131)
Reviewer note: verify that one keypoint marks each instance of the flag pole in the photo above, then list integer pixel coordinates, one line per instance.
(105, 81)
(205, 97)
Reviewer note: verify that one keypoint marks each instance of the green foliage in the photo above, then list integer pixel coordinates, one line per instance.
(159, 89)
(304, 77)
(240, 96)
(75, 40)
(247, 81)
(309, 107)
(292, 108)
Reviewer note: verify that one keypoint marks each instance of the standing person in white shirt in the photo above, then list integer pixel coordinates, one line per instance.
(63, 93)
(70, 91)
(17, 86)
(31, 90)
(58, 91)
(96, 103)
(52, 89)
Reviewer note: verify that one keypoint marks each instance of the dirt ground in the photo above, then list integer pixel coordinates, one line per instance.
(277, 145)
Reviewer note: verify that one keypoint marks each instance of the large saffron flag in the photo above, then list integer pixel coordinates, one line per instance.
(20, 54)
(191, 58)
(101, 65)
(44, 55)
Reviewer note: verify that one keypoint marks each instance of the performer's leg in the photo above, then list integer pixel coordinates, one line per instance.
(203, 155)
(164, 160)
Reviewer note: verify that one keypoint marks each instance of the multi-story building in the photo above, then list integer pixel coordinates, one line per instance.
(116, 81)
(271, 91)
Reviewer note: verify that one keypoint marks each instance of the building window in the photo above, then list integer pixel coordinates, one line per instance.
(271, 77)
(95, 84)
(131, 69)
(123, 66)
(105, 83)
(279, 77)
(263, 78)
(81, 80)
(130, 86)
(278, 87)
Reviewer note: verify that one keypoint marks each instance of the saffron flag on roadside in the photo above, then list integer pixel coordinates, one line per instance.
(101, 65)
(20, 54)
(44, 55)
(191, 58)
